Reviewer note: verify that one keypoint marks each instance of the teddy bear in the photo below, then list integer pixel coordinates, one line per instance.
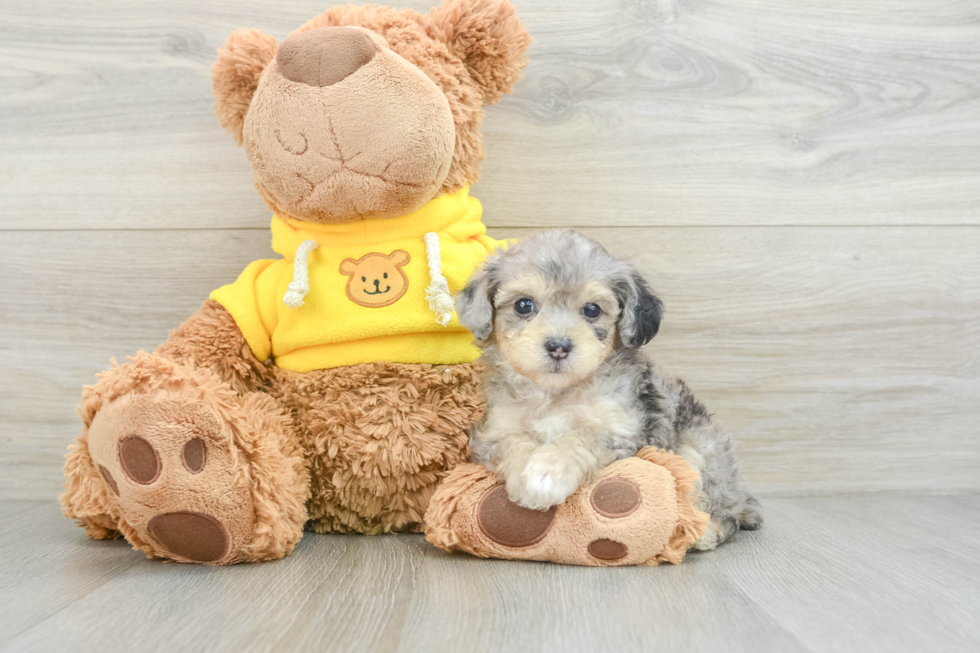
(331, 388)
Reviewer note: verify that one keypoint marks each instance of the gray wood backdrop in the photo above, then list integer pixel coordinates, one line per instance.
(800, 180)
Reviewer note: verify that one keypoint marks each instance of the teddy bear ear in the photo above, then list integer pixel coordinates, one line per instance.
(235, 76)
(488, 37)
(399, 257)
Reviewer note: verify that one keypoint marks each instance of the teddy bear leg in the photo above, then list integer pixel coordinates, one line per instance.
(186, 469)
(380, 437)
(639, 511)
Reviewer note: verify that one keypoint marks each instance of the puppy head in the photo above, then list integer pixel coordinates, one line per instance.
(556, 305)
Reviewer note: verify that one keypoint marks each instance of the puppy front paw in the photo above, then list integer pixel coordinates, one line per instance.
(542, 484)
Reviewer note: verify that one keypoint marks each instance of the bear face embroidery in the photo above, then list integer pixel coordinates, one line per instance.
(376, 279)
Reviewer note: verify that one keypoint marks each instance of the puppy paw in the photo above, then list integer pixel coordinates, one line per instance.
(543, 484)
(708, 541)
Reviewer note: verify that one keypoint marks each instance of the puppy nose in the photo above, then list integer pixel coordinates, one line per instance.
(377, 282)
(558, 348)
(324, 56)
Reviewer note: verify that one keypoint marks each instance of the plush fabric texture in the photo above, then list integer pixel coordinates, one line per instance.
(325, 56)
(340, 322)
(235, 76)
(639, 511)
(210, 339)
(379, 438)
(488, 37)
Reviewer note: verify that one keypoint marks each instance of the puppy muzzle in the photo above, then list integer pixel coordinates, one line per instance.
(558, 348)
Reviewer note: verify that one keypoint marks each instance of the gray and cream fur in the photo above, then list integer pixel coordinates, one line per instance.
(560, 323)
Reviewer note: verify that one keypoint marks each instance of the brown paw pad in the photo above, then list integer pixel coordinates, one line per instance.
(507, 523)
(111, 482)
(139, 460)
(195, 455)
(608, 550)
(616, 497)
(192, 535)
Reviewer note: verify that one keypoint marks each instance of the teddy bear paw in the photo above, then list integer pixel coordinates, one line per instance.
(638, 511)
(179, 484)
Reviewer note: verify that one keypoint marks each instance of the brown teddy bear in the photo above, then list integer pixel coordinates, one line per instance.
(332, 387)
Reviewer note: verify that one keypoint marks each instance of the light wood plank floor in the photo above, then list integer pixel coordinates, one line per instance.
(873, 573)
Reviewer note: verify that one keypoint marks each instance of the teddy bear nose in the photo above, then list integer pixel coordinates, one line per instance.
(324, 56)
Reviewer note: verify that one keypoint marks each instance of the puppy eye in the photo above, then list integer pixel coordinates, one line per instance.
(386, 275)
(363, 278)
(591, 311)
(524, 306)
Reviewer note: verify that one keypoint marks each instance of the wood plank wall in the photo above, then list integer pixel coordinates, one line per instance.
(799, 180)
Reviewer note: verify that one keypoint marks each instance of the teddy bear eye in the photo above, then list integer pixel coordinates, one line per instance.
(386, 275)
(523, 306)
(363, 278)
(591, 311)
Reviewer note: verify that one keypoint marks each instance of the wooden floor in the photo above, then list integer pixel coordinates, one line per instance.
(890, 574)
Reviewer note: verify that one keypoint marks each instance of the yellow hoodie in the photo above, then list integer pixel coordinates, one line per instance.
(364, 291)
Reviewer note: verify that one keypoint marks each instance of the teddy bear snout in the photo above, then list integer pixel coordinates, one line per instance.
(324, 56)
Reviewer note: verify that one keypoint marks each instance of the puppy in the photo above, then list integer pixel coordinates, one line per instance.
(560, 323)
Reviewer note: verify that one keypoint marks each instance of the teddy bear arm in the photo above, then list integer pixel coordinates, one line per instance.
(210, 339)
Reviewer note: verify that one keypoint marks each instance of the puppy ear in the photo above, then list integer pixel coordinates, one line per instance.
(489, 38)
(235, 76)
(642, 311)
(474, 304)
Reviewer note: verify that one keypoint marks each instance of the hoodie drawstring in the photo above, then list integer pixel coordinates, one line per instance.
(437, 294)
(300, 285)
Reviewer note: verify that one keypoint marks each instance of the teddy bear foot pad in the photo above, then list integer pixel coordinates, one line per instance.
(178, 486)
(639, 511)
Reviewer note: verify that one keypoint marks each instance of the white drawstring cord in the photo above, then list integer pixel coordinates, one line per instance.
(300, 285)
(437, 294)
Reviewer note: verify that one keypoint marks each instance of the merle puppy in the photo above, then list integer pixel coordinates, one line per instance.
(561, 324)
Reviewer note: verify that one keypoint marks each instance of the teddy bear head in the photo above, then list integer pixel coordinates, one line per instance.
(376, 280)
(368, 112)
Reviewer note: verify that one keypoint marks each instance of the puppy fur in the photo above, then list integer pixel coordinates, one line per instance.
(560, 323)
